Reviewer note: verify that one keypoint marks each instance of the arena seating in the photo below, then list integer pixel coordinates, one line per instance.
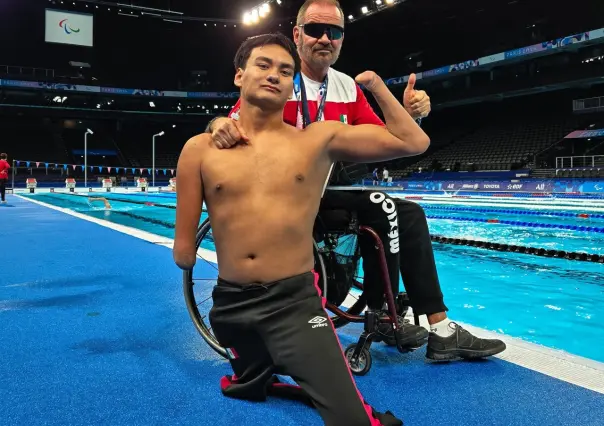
(590, 173)
(19, 134)
(441, 137)
(98, 144)
(497, 146)
(135, 142)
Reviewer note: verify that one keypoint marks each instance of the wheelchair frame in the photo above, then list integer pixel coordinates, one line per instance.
(357, 355)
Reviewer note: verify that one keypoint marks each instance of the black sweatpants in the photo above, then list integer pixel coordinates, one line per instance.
(407, 245)
(282, 328)
(417, 266)
(3, 189)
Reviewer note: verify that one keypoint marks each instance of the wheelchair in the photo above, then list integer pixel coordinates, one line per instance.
(337, 257)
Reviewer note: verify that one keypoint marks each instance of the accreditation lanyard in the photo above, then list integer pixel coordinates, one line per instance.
(303, 116)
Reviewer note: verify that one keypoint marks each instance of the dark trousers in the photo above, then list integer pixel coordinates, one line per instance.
(283, 328)
(3, 189)
(407, 245)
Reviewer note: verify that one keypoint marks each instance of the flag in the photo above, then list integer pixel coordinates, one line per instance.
(109, 169)
(37, 164)
(73, 166)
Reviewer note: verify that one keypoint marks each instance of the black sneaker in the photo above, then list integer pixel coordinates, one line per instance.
(461, 344)
(410, 335)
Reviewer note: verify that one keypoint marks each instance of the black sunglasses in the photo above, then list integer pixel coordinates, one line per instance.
(334, 32)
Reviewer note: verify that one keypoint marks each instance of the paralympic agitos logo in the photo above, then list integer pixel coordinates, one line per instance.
(68, 29)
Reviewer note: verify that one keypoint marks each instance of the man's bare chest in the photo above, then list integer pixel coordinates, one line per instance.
(263, 168)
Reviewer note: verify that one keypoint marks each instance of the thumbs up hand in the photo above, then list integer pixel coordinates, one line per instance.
(416, 102)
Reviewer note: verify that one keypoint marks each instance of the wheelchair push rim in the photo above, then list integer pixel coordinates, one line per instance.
(200, 319)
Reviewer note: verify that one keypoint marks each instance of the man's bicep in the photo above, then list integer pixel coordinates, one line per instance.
(362, 143)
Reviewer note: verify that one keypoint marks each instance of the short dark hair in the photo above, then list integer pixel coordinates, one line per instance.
(3, 156)
(245, 50)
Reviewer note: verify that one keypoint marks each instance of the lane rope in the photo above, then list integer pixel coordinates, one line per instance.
(560, 254)
(523, 224)
(516, 212)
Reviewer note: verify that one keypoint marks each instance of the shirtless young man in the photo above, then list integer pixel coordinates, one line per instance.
(262, 198)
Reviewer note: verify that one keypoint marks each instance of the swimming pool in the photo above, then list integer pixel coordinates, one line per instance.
(554, 302)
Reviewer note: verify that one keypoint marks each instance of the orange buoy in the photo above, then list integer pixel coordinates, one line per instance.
(583, 216)
(493, 221)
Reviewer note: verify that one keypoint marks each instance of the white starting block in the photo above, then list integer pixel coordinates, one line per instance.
(142, 183)
(31, 184)
(70, 183)
(107, 184)
(172, 184)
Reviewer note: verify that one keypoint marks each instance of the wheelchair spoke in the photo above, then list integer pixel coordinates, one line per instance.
(203, 301)
(212, 264)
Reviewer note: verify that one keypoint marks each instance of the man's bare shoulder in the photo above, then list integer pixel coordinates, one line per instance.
(192, 153)
(198, 142)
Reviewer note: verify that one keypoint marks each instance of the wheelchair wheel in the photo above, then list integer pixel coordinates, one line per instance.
(198, 284)
(198, 290)
(341, 258)
(362, 365)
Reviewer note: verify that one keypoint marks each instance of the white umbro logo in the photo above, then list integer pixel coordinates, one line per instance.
(318, 322)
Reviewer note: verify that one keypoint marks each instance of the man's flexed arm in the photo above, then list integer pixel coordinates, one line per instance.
(402, 136)
(189, 200)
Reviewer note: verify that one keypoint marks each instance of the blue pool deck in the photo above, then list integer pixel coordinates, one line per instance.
(94, 331)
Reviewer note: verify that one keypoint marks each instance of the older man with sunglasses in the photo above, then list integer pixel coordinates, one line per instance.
(322, 93)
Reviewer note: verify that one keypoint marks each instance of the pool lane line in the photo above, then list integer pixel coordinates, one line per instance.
(559, 254)
(523, 224)
(518, 212)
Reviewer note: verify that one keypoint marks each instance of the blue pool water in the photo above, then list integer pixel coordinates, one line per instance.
(554, 302)
(526, 231)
